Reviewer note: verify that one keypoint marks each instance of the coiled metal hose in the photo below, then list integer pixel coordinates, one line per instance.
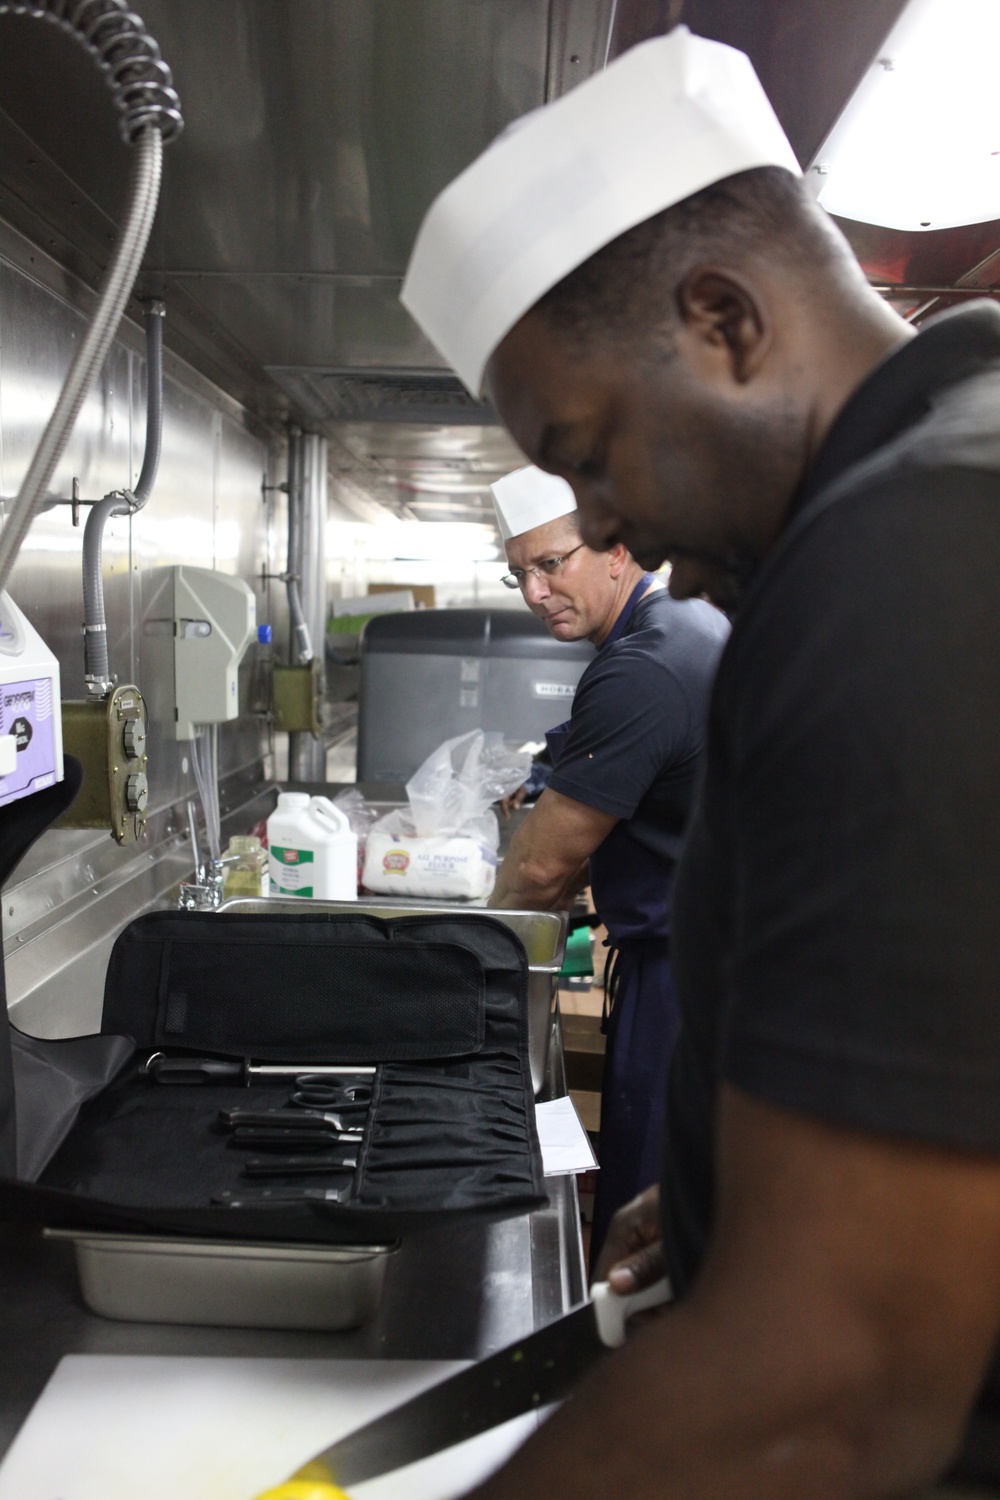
(141, 86)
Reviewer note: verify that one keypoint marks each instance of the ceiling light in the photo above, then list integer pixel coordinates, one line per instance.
(918, 145)
(393, 540)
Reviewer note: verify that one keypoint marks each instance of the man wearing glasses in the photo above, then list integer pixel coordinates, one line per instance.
(619, 795)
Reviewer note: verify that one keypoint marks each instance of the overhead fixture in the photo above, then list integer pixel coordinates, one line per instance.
(918, 145)
(445, 541)
(393, 540)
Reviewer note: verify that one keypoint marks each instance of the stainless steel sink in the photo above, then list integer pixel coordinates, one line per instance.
(543, 934)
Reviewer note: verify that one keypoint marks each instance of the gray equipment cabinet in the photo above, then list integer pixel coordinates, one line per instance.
(429, 675)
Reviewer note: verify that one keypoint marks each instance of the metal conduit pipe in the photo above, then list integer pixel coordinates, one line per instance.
(149, 113)
(307, 751)
(300, 645)
(97, 669)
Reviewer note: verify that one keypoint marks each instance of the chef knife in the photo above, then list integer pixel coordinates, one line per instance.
(299, 1137)
(519, 1378)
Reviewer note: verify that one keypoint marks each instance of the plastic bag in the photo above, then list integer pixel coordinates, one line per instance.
(459, 782)
(361, 816)
(445, 843)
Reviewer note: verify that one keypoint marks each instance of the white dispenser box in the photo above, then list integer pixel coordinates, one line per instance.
(31, 749)
(197, 626)
(311, 849)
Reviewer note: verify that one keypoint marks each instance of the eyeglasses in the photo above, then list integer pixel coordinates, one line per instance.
(549, 567)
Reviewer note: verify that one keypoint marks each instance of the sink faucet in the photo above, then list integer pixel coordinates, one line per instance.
(204, 893)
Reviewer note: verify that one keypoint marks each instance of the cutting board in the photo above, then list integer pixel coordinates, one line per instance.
(112, 1427)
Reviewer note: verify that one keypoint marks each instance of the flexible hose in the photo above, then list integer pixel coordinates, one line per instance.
(301, 642)
(144, 189)
(97, 669)
(155, 313)
(142, 89)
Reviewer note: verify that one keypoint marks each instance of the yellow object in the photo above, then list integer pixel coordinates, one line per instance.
(249, 876)
(304, 1489)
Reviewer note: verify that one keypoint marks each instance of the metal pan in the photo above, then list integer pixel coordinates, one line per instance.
(138, 1279)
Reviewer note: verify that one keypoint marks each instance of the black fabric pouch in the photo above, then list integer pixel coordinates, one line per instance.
(438, 1005)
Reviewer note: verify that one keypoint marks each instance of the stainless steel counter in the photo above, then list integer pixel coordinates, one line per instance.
(454, 1294)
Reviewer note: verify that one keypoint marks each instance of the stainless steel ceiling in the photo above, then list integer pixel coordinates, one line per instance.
(317, 133)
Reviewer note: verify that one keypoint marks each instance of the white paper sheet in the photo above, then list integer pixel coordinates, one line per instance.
(564, 1142)
(113, 1427)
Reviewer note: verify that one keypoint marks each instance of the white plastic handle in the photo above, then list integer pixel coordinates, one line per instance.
(332, 816)
(612, 1310)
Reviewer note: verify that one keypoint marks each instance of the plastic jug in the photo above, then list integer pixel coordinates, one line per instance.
(312, 851)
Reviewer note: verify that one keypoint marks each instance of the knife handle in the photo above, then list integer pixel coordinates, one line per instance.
(304, 1489)
(612, 1310)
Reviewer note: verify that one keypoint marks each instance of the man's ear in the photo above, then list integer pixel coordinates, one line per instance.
(725, 315)
(619, 558)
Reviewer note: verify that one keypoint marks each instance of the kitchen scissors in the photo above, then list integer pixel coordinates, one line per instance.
(319, 1091)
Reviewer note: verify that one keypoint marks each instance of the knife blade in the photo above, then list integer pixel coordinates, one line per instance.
(231, 1119)
(286, 1137)
(522, 1377)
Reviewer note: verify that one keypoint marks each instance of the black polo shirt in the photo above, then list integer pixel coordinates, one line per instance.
(837, 909)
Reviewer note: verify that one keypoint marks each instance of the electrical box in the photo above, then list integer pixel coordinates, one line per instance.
(31, 747)
(204, 622)
(108, 737)
(297, 696)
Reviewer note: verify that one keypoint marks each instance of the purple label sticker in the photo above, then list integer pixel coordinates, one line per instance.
(26, 713)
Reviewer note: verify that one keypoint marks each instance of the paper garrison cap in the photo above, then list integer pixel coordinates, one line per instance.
(666, 119)
(528, 498)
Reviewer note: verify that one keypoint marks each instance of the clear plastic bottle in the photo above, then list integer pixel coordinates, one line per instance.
(261, 672)
(249, 874)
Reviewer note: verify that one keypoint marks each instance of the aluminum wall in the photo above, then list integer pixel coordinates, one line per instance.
(212, 506)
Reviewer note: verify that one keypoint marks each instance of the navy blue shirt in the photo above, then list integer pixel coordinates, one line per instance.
(632, 750)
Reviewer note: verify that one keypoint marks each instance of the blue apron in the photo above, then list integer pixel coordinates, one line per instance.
(632, 892)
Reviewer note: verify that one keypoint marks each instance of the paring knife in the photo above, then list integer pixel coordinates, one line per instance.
(522, 1377)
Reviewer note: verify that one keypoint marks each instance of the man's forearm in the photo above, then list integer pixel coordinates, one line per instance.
(831, 1346)
(694, 1410)
(548, 852)
(528, 883)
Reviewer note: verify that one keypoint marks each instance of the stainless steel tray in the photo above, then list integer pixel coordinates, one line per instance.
(543, 934)
(139, 1279)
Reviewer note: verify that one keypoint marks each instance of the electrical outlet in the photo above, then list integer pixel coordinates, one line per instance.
(108, 737)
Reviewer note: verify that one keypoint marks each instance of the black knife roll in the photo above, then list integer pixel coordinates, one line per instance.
(437, 1004)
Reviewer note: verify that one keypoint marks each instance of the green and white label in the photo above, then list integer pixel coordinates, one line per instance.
(290, 869)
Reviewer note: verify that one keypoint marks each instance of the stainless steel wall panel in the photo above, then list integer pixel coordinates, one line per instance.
(207, 508)
(38, 335)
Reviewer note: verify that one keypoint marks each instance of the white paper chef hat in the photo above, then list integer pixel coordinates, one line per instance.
(665, 120)
(528, 498)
